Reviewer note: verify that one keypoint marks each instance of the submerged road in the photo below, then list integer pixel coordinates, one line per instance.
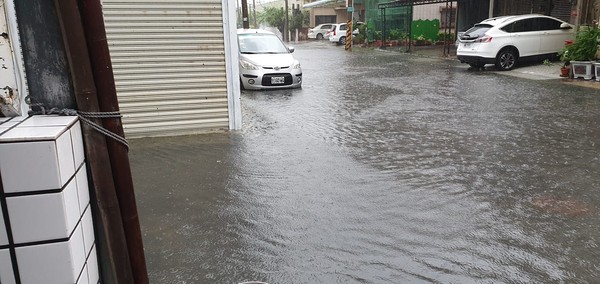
(384, 168)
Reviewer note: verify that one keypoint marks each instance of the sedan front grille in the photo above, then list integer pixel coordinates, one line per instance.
(267, 79)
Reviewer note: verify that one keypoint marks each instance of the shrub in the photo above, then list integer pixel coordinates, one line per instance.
(584, 47)
(445, 36)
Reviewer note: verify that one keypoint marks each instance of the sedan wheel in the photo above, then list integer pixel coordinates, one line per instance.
(319, 36)
(506, 60)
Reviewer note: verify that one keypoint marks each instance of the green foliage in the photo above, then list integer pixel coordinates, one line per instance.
(444, 36)
(362, 30)
(584, 47)
(359, 38)
(378, 35)
(395, 34)
(299, 20)
(274, 17)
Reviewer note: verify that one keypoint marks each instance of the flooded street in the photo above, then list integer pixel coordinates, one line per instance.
(384, 168)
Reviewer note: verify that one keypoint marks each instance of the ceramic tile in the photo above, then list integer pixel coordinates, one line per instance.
(3, 235)
(19, 118)
(9, 124)
(29, 166)
(78, 253)
(83, 190)
(44, 216)
(92, 264)
(77, 141)
(6, 271)
(64, 150)
(87, 224)
(84, 278)
(51, 263)
(20, 134)
(49, 120)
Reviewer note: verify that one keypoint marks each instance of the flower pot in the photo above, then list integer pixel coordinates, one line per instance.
(597, 70)
(564, 71)
(582, 69)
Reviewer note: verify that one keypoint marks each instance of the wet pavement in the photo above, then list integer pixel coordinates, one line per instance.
(384, 168)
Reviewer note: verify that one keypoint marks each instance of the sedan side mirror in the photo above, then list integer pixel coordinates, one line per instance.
(565, 26)
(291, 49)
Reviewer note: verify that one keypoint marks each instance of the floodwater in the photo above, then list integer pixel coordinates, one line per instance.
(384, 168)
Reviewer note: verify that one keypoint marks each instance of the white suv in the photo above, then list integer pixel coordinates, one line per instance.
(337, 33)
(504, 40)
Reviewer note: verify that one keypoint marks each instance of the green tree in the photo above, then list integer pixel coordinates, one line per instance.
(273, 17)
(299, 20)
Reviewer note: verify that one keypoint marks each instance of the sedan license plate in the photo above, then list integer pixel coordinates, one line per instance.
(277, 80)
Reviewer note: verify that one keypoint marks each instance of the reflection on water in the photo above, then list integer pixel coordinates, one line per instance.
(383, 168)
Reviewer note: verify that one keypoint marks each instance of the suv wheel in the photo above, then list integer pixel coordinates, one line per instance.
(343, 40)
(319, 36)
(506, 59)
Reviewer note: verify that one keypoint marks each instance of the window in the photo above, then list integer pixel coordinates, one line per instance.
(475, 32)
(526, 25)
(547, 24)
(324, 19)
(447, 17)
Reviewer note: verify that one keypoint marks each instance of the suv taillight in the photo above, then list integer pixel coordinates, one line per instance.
(484, 39)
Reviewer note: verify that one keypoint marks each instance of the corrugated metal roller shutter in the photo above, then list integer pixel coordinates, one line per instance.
(169, 64)
(562, 10)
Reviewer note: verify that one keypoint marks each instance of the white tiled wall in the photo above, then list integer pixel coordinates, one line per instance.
(46, 227)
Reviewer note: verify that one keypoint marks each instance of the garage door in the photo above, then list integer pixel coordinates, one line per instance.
(169, 64)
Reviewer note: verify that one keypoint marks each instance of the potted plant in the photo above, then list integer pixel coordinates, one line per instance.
(582, 52)
(394, 37)
(378, 35)
(565, 69)
(420, 40)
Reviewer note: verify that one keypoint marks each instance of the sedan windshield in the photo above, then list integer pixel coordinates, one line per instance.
(261, 44)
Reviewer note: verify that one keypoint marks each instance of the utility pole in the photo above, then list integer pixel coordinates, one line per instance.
(286, 22)
(245, 22)
(254, 13)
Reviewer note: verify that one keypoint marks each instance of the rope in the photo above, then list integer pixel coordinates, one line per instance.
(85, 118)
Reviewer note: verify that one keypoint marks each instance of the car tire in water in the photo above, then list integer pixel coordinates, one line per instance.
(319, 36)
(506, 59)
(343, 40)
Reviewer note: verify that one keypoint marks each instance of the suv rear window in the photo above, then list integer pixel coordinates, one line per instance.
(476, 32)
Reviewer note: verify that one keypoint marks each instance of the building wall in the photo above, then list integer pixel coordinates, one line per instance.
(428, 12)
(322, 11)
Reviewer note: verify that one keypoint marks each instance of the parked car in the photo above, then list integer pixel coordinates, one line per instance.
(504, 41)
(266, 62)
(319, 31)
(337, 33)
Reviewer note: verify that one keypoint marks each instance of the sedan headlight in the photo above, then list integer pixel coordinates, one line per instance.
(247, 65)
(296, 65)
